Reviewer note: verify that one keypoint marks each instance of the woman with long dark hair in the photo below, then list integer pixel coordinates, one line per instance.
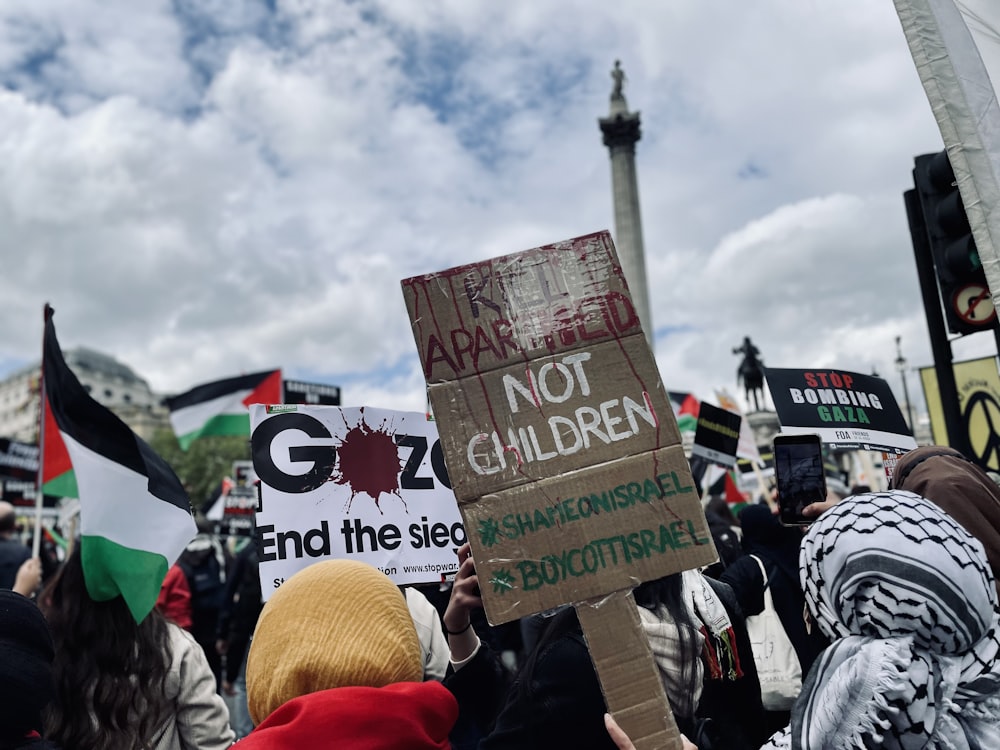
(126, 685)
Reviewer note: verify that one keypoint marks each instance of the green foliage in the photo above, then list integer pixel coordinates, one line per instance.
(201, 467)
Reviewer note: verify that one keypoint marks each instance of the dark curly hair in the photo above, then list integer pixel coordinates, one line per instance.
(110, 673)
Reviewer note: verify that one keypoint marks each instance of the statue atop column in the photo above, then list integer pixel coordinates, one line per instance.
(751, 372)
(618, 75)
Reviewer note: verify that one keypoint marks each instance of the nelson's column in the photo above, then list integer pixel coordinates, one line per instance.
(621, 131)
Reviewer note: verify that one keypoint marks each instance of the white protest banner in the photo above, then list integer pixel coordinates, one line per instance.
(360, 483)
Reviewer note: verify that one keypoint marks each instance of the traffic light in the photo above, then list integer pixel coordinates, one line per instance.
(965, 296)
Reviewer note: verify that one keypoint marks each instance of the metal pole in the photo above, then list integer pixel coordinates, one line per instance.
(901, 366)
(940, 345)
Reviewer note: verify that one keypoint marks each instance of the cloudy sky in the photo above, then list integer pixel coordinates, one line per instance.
(203, 188)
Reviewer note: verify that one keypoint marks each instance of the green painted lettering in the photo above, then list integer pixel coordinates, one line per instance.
(650, 490)
(547, 570)
(541, 521)
(680, 537)
(600, 502)
(530, 579)
(576, 573)
(667, 485)
(569, 510)
(694, 535)
(634, 545)
(626, 552)
(680, 487)
(621, 492)
(649, 541)
(512, 530)
(666, 538)
(635, 491)
(609, 543)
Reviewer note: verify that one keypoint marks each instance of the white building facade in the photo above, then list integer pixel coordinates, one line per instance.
(110, 382)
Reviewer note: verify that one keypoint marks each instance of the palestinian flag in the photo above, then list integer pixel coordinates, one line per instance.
(686, 410)
(221, 407)
(58, 477)
(135, 517)
(733, 494)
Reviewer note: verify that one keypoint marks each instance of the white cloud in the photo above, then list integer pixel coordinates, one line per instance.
(207, 188)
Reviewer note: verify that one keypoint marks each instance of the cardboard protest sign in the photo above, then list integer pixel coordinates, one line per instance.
(562, 447)
(359, 483)
(847, 410)
(717, 436)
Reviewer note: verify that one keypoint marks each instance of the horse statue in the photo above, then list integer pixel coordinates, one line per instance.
(751, 372)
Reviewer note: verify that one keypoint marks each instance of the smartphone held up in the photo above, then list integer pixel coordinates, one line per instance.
(800, 477)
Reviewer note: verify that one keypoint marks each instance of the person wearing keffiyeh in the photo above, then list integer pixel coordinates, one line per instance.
(907, 597)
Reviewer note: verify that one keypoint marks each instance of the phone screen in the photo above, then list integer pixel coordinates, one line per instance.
(798, 468)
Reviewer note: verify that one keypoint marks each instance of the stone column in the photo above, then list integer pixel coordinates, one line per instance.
(621, 131)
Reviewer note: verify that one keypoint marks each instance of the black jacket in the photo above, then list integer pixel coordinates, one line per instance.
(241, 606)
(563, 705)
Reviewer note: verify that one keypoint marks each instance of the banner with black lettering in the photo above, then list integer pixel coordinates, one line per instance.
(846, 409)
(360, 483)
(717, 435)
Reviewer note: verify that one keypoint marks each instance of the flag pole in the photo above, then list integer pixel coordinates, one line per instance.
(36, 542)
(762, 486)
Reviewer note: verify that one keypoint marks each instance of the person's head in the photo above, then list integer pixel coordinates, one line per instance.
(720, 508)
(26, 654)
(337, 623)
(106, 666)
(961, 488)
(892, 564)
(907, 598)
(8, 519)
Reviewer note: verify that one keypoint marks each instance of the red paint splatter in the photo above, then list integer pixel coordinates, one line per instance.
(368, 463)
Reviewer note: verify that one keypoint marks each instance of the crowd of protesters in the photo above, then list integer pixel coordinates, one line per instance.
(898, 647)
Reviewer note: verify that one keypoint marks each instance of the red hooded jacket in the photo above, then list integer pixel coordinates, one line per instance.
(404, 716)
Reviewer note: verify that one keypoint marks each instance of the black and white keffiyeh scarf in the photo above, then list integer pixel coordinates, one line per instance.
(907, 598)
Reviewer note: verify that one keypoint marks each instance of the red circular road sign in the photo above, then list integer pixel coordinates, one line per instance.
(974, 305)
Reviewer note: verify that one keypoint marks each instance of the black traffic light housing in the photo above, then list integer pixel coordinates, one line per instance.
(965, 296)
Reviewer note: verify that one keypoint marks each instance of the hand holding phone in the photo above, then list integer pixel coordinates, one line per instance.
(801, 479)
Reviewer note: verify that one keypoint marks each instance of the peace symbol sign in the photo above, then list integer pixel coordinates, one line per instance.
(982, 422)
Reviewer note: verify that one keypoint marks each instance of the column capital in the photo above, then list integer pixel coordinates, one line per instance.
(621, 130)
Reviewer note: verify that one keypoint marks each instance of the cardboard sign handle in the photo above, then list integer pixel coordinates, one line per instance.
(629, 676)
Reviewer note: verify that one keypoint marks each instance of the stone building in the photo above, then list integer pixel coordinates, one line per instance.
(111, 383)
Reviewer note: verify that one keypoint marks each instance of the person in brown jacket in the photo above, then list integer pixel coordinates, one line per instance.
(960, 488)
